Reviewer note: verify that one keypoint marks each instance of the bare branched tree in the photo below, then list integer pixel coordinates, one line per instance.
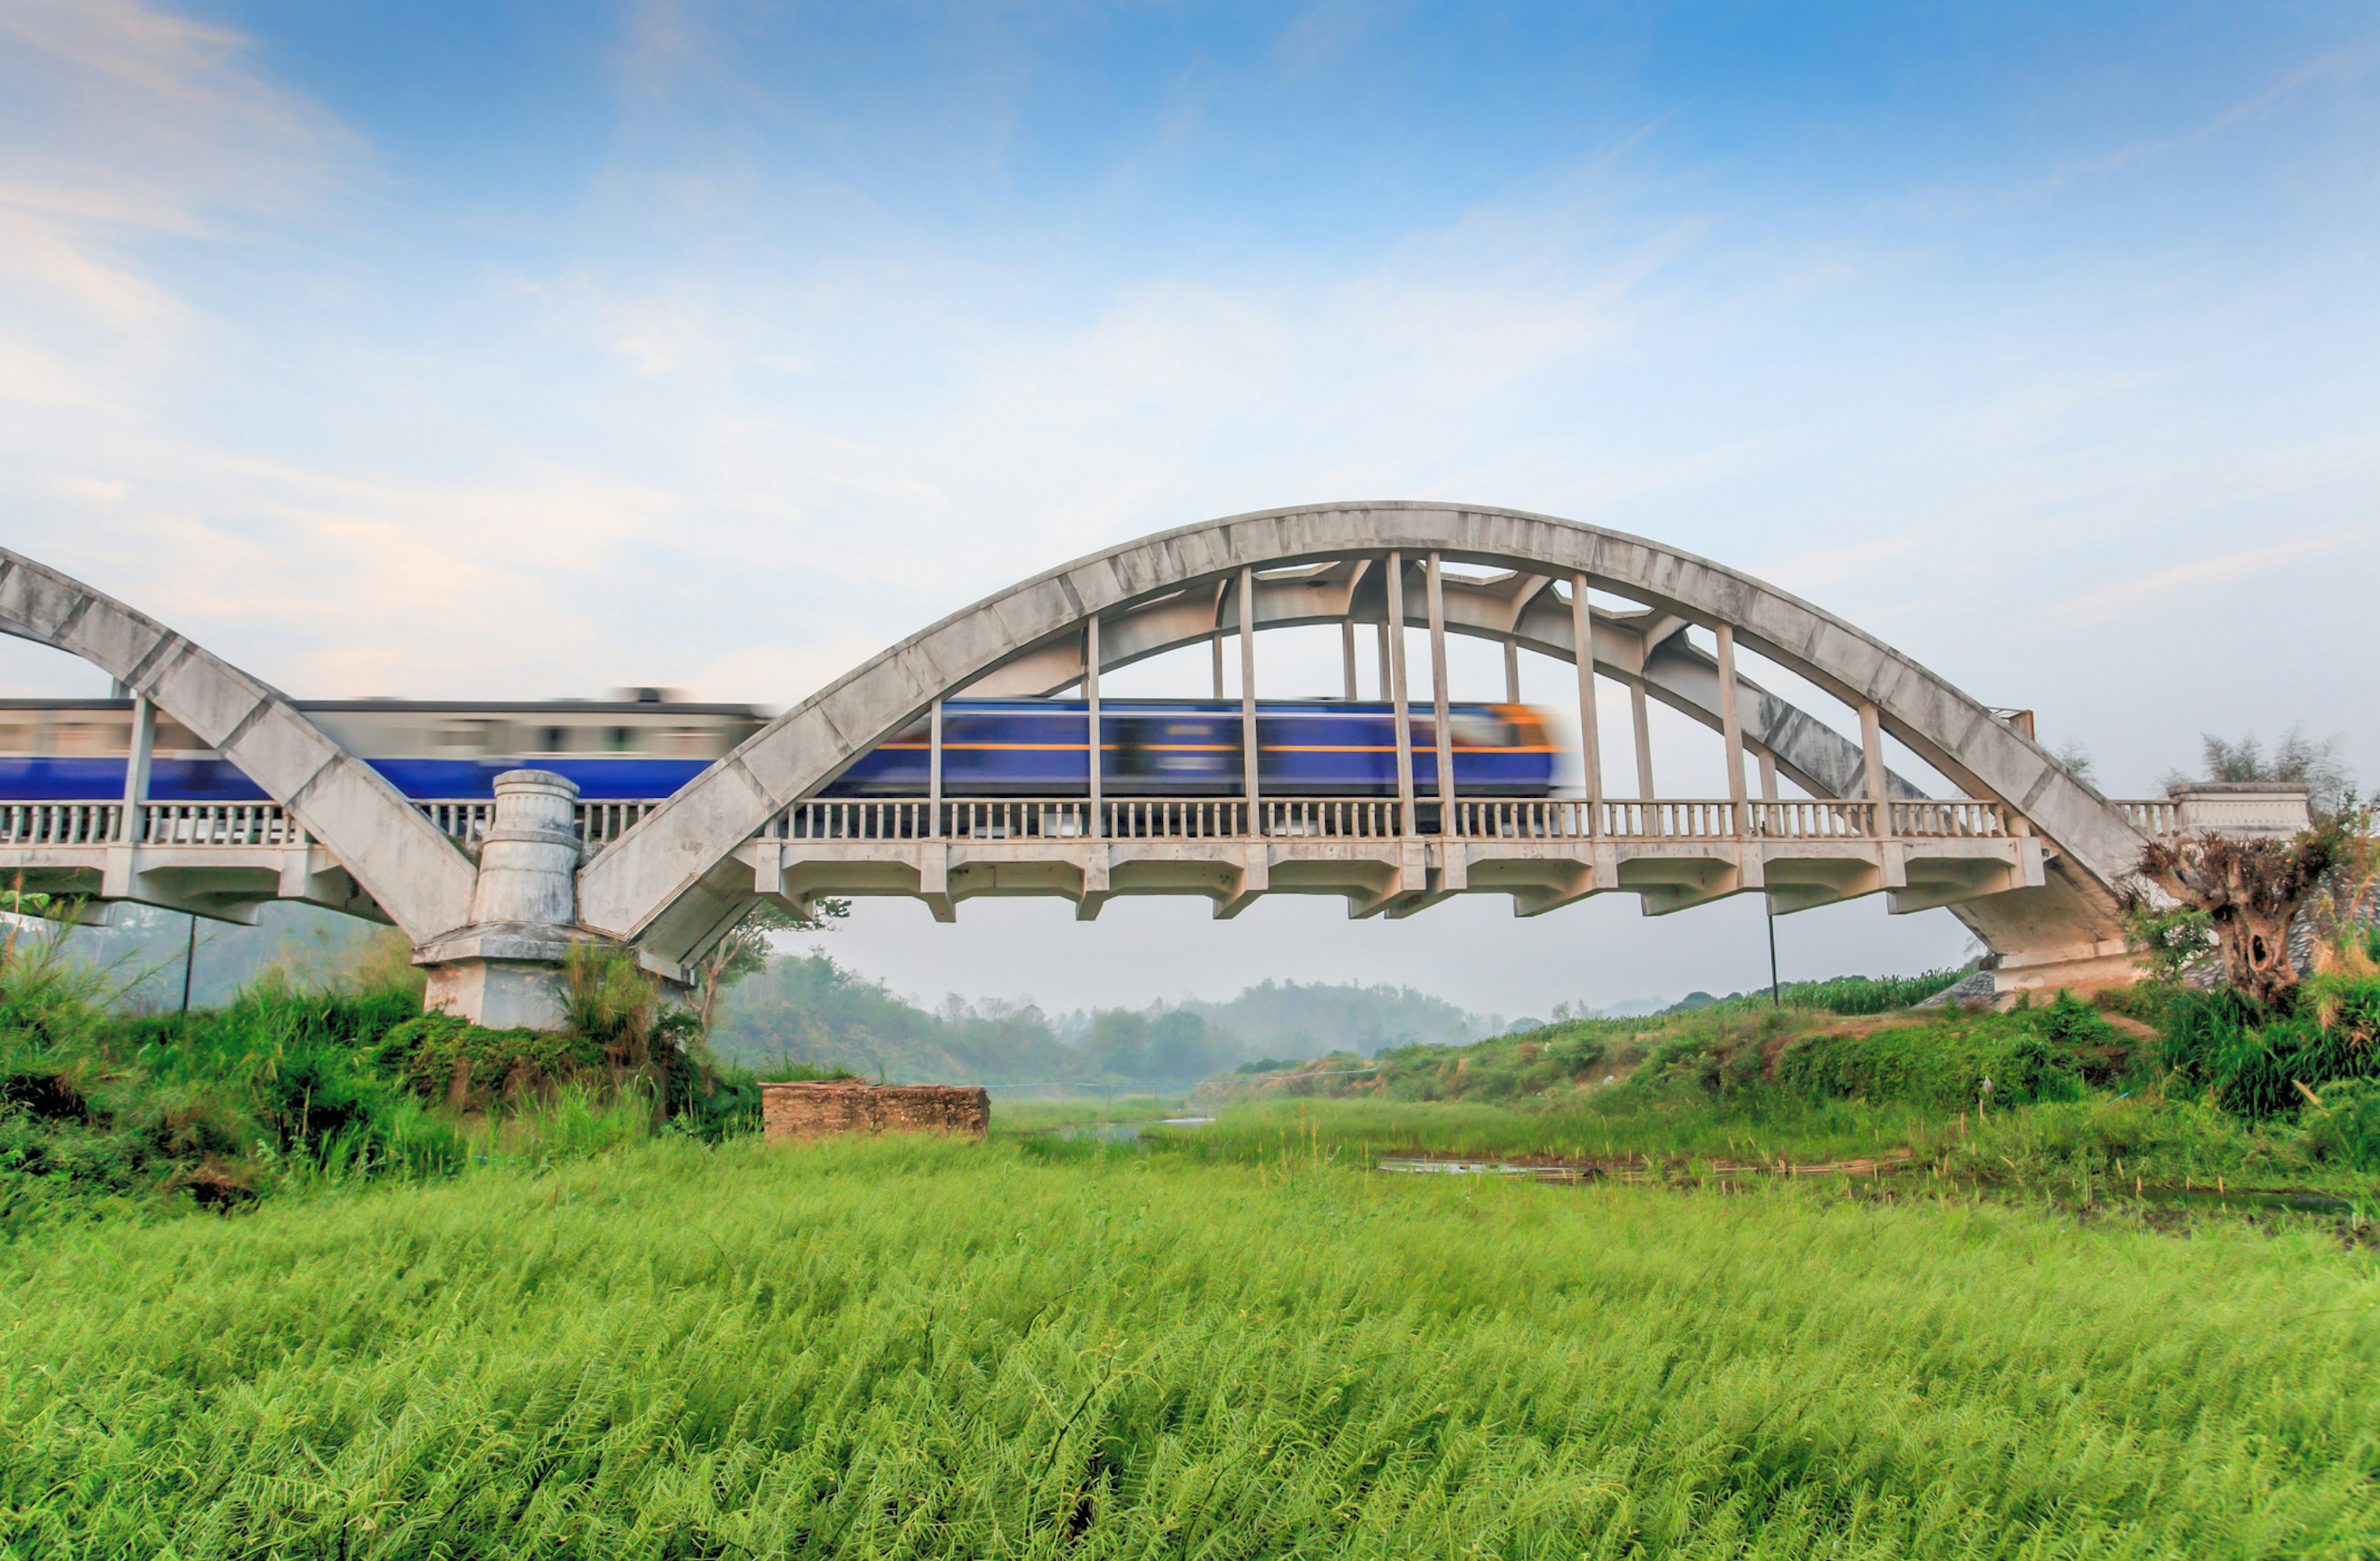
(745, 950)
(2251, 891)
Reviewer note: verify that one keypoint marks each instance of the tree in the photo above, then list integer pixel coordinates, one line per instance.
(2296, 760)
(743, 949)
(2249, 892)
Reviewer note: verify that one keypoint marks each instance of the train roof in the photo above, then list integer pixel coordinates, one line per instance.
(456, 707)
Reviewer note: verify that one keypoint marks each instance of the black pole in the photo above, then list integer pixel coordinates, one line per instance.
(1776, 993)
(190, 959)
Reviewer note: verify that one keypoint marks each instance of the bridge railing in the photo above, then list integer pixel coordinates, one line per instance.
(220, 823)
(1954, 817)
(599, 823)
(1376, 818)
(60, 824)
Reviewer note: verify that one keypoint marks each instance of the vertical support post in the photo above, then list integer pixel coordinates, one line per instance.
(1512, 670)
(1347, 654)
(1217, 642)
(1767, 777)
(1248, 692)
(136, 768)
(1400, 711)
(1639, 718)
(1384, 660)
(1094, 732)
(1443, 726)
(1732, 726)
(1872, 761)
(934, 772)
(1590, 741)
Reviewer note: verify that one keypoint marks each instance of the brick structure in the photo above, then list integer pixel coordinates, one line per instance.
(827, 1109)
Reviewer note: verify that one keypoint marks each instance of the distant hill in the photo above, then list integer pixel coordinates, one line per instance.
(1292, 1019)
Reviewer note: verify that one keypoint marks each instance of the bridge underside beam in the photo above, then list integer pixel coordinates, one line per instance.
(221, 884)
(1392, 877)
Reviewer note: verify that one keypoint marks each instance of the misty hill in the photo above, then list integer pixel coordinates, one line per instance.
(1289, 1019)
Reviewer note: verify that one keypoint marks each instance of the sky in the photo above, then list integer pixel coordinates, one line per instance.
(520, 350)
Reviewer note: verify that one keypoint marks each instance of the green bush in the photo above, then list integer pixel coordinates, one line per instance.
(2251, 1061)
(2042, 1054)
(2342, 1124)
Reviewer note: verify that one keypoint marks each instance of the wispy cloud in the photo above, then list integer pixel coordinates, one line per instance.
(2125, 597)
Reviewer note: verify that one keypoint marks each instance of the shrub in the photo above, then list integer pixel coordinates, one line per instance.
(2342, 1124)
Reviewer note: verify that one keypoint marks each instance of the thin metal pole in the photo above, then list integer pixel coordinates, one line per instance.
(1590, 741)
(1096, 730)
(1248, 689)
(1400, 711)
(190, 961)
(1775, 992)
(1439, 710)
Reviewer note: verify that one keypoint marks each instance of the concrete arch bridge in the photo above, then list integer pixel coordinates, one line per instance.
(2028, 855)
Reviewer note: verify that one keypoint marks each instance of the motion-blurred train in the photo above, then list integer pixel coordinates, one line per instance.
(646, 748)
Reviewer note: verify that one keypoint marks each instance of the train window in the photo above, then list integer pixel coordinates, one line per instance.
(553, 740)
(1481, 731)
(683, 742)
(621, 739)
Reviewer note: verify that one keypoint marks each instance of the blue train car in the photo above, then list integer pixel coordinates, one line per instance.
(1192, 748)
(72, 750)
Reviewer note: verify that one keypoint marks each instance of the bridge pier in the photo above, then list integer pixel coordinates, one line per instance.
(504, 969)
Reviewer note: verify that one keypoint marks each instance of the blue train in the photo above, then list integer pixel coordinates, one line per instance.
(73, 750)
(1192, 748)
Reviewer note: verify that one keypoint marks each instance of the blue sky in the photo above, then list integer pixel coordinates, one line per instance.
(531, 349)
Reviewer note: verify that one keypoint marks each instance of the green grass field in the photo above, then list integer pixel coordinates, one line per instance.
(1045, 1348)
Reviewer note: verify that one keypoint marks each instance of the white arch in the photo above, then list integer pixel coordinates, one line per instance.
(415, 874)
(670, 884)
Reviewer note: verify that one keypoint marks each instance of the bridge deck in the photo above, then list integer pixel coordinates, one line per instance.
(222, 860)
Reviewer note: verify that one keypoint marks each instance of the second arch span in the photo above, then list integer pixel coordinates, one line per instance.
(692, 868)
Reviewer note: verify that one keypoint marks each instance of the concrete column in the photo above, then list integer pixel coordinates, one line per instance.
(1640, 719)
(1731, 726)
(1218, 642)
(1384, 659)
(1248, 689)
(1767, 777)
(1347, 654)
(1399, 711)
(1512, 670)
(934, 771)
(529, 858)
(504, 970)
(1872, 760)
(136, 767)
(1094, 731)
(1590, 740)
(1438, 708)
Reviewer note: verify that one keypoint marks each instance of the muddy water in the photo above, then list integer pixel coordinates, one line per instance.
(2197, 1198)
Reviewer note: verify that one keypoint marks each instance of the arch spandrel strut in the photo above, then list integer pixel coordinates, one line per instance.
(411, 872)
(671, 881)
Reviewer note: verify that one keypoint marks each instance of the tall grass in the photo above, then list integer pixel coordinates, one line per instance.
(934, 1349)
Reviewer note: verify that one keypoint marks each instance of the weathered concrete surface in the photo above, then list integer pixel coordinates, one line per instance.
(830, 1108)
(504, 969)
(673, 882)
(410, 871)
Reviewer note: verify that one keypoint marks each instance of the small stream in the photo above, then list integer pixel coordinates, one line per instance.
(2202, 1199)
